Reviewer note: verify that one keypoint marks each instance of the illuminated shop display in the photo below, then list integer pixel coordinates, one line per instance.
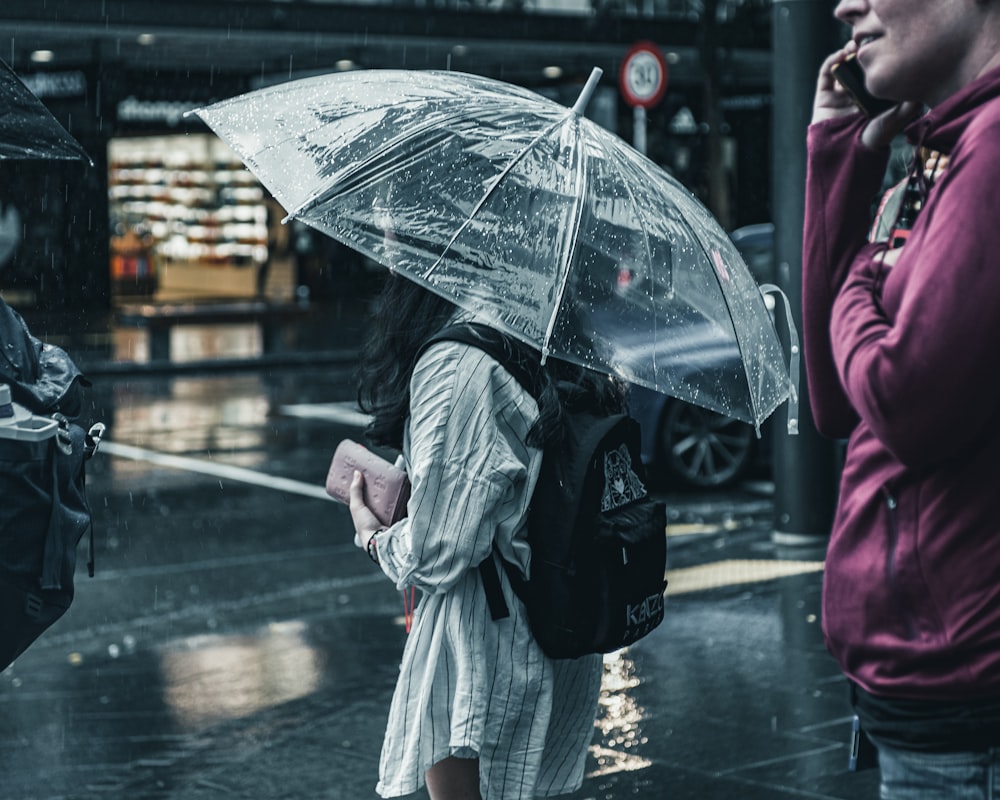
(186, 217)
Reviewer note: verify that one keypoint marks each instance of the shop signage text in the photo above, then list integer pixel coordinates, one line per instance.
(132, 109)
(56, 84)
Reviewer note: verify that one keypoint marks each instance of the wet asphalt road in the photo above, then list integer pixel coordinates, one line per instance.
(234, 643)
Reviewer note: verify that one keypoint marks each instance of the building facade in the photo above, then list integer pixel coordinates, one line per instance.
(165, 212)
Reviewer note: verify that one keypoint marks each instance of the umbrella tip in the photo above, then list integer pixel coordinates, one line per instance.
(588, 90)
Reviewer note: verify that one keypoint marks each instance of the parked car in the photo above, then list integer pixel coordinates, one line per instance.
(691, 446)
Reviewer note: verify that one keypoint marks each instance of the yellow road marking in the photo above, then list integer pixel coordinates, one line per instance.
(733, 572)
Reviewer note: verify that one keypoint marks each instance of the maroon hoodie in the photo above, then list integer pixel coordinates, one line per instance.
(907, 365)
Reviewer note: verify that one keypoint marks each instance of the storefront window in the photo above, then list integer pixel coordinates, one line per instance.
(188, 220)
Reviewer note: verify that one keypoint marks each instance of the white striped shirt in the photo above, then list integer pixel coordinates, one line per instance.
(469, 686)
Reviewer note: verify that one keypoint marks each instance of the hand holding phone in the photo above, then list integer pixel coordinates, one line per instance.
(849, 74)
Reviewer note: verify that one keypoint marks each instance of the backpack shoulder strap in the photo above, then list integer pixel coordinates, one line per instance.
(524, 365)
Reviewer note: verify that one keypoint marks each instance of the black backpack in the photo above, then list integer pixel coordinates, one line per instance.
(42, 481)
(598, 541)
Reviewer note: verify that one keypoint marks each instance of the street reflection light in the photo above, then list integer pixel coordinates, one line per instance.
(218, 677)
(619, 719)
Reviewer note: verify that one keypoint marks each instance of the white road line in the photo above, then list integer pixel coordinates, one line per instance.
(255, 559)
(344, 413)
(203, 611)
(225, 471)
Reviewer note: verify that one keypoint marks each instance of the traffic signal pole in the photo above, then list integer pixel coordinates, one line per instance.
(805, 471)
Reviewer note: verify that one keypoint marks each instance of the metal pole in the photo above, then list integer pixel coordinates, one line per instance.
(805, 473)
(639, 129)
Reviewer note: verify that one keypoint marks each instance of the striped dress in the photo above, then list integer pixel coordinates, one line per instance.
(469, 686)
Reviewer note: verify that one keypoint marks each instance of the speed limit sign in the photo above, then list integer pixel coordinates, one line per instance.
(643, 75)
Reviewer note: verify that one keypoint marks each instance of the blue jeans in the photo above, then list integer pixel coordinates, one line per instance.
(908, 775)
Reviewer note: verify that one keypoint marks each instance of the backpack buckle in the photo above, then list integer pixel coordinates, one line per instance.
(62, 436)
(94, 437)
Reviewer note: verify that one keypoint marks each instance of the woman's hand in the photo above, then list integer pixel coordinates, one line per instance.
(366, 524)
(833, 100)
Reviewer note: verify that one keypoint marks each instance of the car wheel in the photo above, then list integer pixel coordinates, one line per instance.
(704, 449)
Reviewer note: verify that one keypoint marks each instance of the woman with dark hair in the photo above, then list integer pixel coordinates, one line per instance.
(479, 711)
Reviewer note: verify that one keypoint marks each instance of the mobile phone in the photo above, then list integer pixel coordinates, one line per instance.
(849, 74)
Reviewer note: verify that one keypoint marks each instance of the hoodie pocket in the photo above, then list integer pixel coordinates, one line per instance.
(910, 591)
(897, 579)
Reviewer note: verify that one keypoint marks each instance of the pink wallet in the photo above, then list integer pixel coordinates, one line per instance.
(386, 487)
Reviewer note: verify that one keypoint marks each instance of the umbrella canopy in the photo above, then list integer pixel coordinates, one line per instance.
(27, 128)
(526, 213)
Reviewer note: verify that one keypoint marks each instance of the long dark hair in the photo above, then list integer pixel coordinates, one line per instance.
(407, 315)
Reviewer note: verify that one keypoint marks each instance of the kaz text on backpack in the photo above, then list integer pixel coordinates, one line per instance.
(45, 511)
(598, 540)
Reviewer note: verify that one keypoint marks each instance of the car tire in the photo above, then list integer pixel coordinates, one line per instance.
(703, 449)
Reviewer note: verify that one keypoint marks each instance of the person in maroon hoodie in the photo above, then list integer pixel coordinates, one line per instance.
(901, 347)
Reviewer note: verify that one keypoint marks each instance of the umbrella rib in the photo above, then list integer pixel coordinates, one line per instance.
(493, 187)
(610, 158)
(736, 331)
(571, 236)
(725, 299)
(732, 320)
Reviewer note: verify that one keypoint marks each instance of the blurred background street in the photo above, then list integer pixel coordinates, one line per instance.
(234, 642)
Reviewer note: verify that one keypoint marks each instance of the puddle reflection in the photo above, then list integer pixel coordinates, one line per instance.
(619, 719)
(212, 678)
(195, 342)
(184, 416)
(191, 342)
(191, 407)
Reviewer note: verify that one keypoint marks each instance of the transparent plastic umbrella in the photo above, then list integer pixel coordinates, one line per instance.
(526, 213)
(27, 127)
